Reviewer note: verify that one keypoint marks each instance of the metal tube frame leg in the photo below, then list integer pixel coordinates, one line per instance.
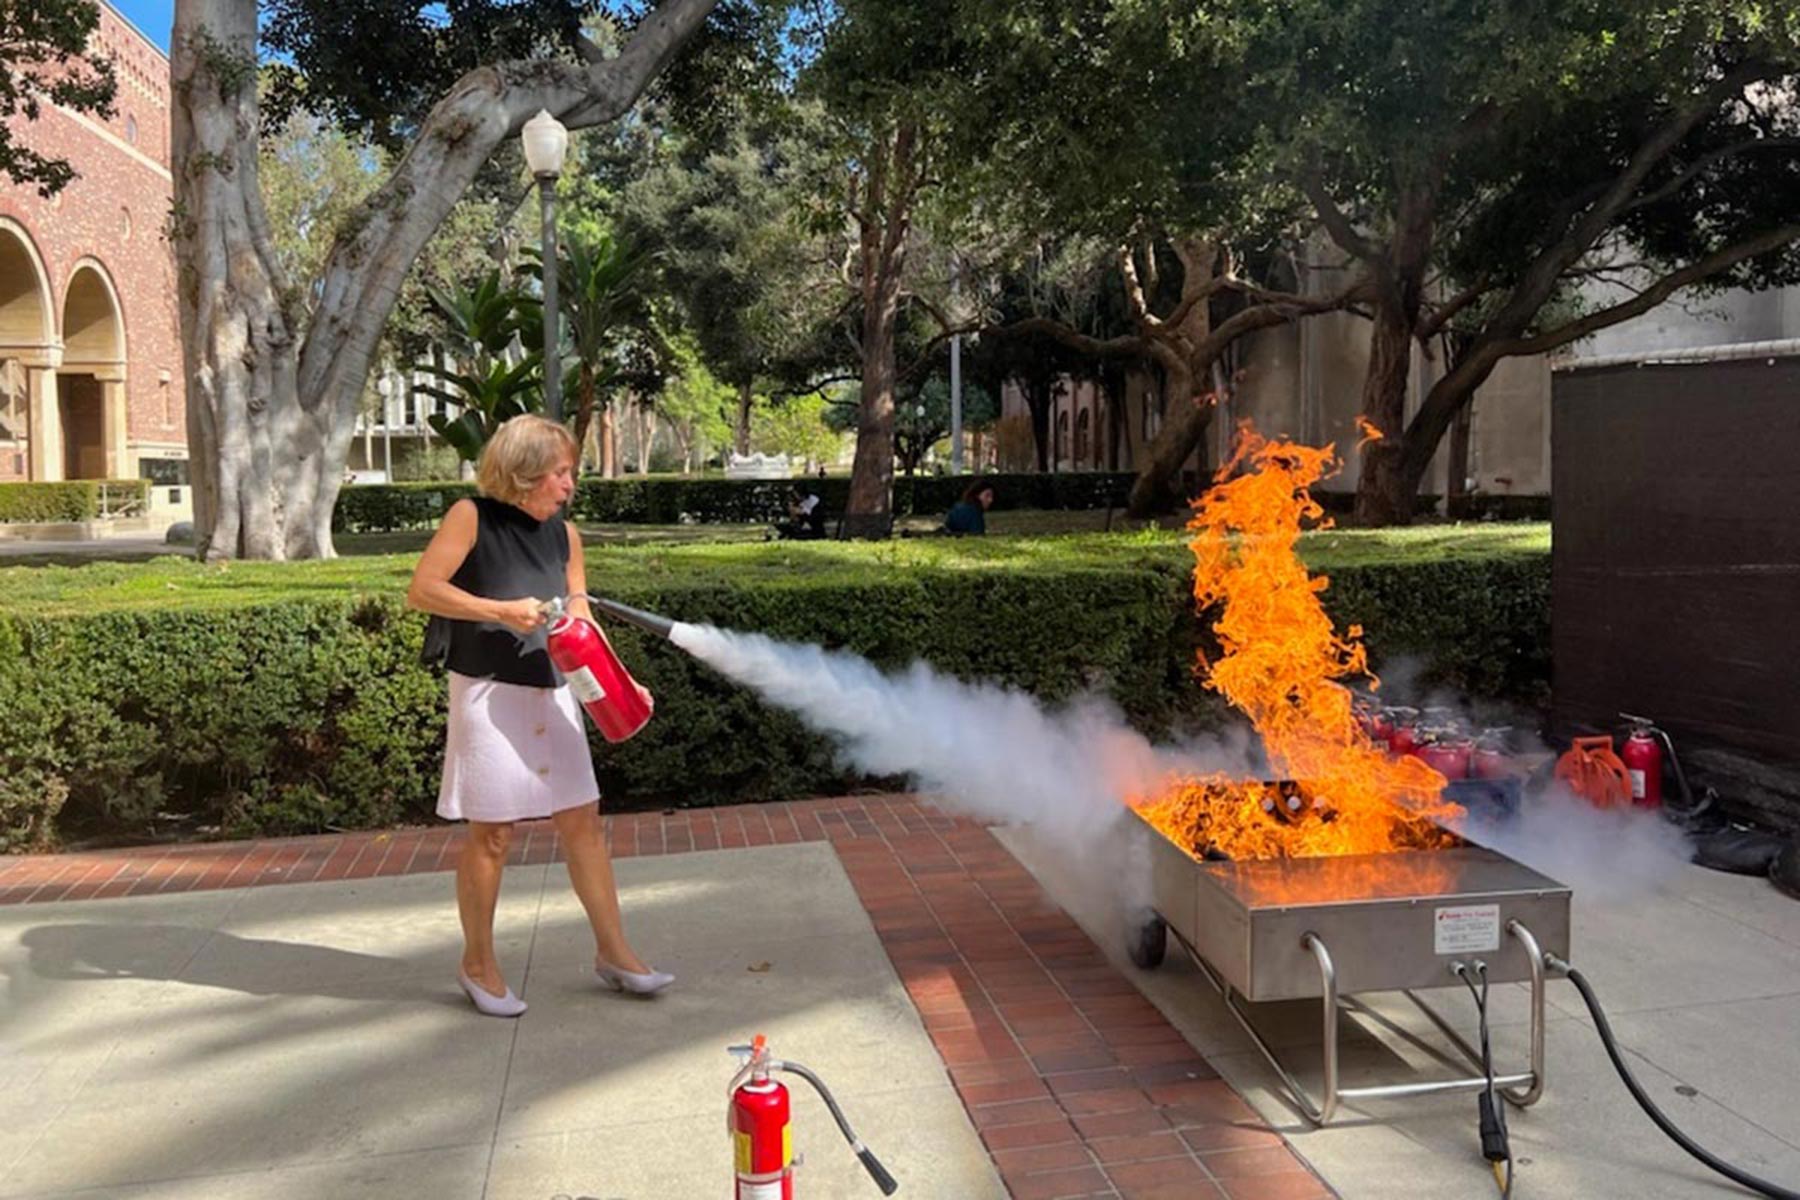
(1318, 1114)
(1533, 1080)
(1521, 1089)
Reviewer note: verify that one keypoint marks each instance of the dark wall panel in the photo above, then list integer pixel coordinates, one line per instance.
(1676, 561)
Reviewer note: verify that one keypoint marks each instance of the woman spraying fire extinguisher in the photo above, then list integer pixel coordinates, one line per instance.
(516, 748)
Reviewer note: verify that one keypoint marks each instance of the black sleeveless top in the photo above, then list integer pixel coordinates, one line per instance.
(515, 555)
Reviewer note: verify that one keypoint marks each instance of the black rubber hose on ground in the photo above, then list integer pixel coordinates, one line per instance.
(1737, 1175)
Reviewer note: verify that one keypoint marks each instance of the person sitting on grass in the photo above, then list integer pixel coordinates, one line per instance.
(806, 517)
(969, 515)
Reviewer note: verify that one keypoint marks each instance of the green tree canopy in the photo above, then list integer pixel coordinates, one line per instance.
(44, 56)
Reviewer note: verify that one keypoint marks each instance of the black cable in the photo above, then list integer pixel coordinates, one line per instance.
(1737, 1175)
(1495, 1145)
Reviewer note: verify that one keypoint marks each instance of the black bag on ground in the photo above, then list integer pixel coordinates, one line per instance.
(1738, 850)
(1784, 872)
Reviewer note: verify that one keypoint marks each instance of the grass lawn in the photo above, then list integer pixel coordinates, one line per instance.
(621, 556)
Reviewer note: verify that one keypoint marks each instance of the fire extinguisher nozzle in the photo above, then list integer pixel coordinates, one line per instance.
(649, 622)
(878, 1173)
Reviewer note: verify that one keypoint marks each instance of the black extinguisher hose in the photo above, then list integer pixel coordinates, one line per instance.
(1736, 1174)
(870, 1163)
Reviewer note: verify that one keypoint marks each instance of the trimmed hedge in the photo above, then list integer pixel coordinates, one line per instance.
(72, 500)
(383, 508)
(309, 711)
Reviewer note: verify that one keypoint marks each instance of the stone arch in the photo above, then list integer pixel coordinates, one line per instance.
(93, 320)
(25, 309)
(27, 343)
(91, 381)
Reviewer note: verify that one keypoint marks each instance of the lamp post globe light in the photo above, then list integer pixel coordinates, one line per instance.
(546, 141)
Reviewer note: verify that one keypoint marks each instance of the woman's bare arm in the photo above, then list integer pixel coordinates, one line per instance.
(431, 590)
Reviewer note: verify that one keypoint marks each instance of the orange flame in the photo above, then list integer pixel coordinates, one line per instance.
(1280, 662)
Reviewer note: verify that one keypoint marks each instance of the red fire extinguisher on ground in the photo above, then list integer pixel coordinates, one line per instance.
(594, 673)
(1403, 738)
(1642, 756)
(1447, 754)
(761, 1136)
(1490, 760)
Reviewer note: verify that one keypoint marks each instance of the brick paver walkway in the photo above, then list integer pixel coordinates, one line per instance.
(1078, 1086)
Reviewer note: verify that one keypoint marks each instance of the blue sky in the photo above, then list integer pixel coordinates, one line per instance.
(154, 17)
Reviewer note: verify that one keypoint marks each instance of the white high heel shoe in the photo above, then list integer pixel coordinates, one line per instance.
(489, 1004)
(647, 984)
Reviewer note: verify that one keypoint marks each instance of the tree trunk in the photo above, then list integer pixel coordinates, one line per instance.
(585, 399)
(257, 453)
(271, 419)
(1456, 491)
(1382, 494)
(1040, 398)
(1382, 497)
(884, 224)
(868, 513)
(745, 396)
(1156, 488)
(1186, 352)
(609, 442)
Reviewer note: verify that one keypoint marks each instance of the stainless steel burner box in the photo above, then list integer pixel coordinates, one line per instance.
(1249, 920)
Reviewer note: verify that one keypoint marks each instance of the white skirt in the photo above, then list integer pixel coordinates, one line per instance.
(513, 753)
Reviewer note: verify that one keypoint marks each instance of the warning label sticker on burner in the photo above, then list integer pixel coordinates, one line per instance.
(1467, 929)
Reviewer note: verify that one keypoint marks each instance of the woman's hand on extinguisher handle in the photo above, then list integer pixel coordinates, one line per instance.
(522, 616)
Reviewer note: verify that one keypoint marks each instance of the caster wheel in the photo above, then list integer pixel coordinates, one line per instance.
(1149, 942)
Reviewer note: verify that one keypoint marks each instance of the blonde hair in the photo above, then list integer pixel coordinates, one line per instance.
(521, 452)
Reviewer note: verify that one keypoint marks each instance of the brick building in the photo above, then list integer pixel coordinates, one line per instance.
(90, 356)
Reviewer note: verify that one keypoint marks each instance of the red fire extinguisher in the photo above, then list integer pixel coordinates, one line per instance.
(1404, 738)
(761, 1135)
(594, 673)
(1642, 757)
(1490, 759)
(1447, 754)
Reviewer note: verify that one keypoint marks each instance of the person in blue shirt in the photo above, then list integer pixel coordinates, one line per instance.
(969, 515)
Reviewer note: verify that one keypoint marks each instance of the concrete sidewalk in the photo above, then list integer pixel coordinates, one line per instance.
(1700, 979)
(310, 1040)
(186, 1022)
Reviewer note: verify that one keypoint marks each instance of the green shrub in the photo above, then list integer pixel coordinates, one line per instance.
(72, 500)
(288, 698)
(382, 508)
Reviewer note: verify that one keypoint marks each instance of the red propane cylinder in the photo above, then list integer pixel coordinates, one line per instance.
(1642, 757)
(597, 677)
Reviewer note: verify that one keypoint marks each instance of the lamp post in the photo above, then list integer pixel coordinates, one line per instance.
(386, 388)
(546, 141)
(956, 397)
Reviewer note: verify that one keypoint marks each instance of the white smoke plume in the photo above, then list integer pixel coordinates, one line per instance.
(1000, 755)
(993, 753)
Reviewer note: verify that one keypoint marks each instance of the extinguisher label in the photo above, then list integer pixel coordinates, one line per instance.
(1637, 785)
(741, 1145)
(758, 1191)
(587, 689)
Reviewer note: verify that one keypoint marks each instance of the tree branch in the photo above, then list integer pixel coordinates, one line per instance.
(588, 49)
(1336, 223)
(1430, 326)
(1713, 264)
(1703, 162)
(1541, 277)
